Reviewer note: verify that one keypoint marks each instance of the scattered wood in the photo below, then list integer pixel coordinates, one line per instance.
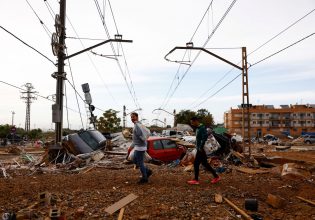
(251, 171)
(115, 152)
(87, 170)
(240, 211)
(306, 200)
(121, 214)
(121, 203)
(275, 201)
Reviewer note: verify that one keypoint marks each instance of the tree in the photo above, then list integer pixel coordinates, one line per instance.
(184, 116)
(109, 122)
(35, 133)
(205, 117)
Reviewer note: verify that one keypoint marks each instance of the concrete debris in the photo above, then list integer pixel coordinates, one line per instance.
(294, 171)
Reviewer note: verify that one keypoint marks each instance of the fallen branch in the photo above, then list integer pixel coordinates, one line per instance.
(240, 211)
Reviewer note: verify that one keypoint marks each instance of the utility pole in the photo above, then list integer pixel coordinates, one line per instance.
(28, 96)
(245, 95)
(58, 48)
(174, 113)
(12, 117)
(58, 44)
(124, 116)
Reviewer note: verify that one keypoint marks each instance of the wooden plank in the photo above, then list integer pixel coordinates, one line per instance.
(121, 214)
(306, 200)
(251, 171)
(240, 211)
(121, 203)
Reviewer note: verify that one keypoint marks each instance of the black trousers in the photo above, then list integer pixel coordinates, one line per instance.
(201, 158)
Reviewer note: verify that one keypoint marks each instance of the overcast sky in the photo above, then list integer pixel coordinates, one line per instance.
(156, 27)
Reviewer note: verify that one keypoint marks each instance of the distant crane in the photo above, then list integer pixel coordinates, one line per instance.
(28, 96)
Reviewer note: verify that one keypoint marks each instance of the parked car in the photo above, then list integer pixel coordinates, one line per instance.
(172, 133)
(309, 139)
(163, 149)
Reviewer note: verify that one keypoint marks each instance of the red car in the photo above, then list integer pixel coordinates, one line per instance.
(164, 149)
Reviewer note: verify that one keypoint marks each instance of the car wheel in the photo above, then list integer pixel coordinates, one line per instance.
(308, 142)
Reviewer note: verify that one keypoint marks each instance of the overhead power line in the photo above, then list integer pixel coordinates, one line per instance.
(28, 45)
(36, 94)
(255, 50)
(48, 32)
(304, 38)
(129, 87)
(252, 66)
(206, 42)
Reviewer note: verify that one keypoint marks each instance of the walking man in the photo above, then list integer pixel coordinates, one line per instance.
(201, 157)
(139, 143)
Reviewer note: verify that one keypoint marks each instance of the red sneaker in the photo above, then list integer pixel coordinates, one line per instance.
(193, 182)
(215, 180)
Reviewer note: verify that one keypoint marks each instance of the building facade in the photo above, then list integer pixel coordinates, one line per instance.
(291, 120)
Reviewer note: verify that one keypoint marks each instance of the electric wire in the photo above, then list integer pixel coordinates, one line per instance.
(180, 65)
(283, 49)
(48, 32)
(74, 89)
(93, 64)
(51, 11)
(28, 45)
(66, 97)
(85, 38)
(281, 32)
(255, 50)
(36, 94)
(114, 51)
(304, 38)
(206, 42)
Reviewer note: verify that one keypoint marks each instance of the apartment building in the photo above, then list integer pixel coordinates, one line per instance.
(266, 119)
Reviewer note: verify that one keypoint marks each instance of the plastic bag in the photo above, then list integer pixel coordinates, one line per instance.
(146, 157)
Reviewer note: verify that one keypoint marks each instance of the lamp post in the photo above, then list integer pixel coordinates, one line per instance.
(173, 114)
(125, 114)
(159, 121)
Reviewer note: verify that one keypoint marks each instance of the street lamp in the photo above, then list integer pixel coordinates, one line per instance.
(159, 121)
(125, 114)
(173, 114)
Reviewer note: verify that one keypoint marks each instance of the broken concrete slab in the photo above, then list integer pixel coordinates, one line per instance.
(293, 170)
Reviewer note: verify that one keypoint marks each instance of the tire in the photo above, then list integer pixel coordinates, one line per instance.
(308, 142)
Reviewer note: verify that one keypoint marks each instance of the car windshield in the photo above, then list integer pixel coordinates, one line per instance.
(89, 140)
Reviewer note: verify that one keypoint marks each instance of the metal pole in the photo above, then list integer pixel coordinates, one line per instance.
(124, 116)
(246, 106)
(61, 75)
(13, 117)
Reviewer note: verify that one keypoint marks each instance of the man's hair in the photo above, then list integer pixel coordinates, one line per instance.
(135, 114)
(194, 118)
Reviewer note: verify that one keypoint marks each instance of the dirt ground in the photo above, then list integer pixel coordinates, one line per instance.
(86, 194)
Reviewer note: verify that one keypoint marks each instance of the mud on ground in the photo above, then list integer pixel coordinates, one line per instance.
(166, 196)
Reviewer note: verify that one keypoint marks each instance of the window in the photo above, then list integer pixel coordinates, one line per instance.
(254, 115)
(157, 145)
(254, 122)
(308, 122)
(267, 114)
(168, 144)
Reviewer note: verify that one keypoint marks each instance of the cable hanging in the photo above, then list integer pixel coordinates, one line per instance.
(255, 50)
(28, 45)
(208, 39)
(252, 66)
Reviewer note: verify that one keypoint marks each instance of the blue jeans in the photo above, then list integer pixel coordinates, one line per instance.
(138, 160)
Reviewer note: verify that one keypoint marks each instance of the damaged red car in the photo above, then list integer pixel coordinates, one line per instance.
(164, 149)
